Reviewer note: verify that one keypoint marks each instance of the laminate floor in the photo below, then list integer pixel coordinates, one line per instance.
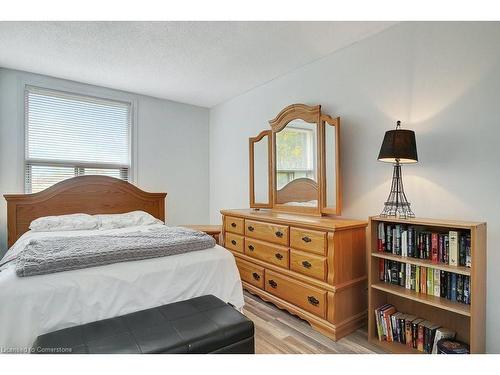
(279, 332)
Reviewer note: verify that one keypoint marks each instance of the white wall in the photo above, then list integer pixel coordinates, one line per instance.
(440, 79)
(171, 146)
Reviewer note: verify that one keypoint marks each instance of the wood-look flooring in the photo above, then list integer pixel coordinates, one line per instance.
(279, 332)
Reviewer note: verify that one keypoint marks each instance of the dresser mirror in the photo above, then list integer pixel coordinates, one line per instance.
(295, 166)
(260, 170)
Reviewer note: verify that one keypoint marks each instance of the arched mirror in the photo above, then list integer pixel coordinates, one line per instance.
(295, 166)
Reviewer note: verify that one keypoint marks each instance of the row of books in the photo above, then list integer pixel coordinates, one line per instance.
(417, 333)
(426, 280)
(453, 248)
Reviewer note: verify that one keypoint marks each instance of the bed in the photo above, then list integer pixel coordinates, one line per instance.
(30, 306)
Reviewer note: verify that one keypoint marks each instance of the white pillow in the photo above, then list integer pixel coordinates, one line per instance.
(64, 223)
(129, 219)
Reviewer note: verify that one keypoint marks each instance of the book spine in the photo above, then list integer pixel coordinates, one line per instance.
(404, 243)
(388, 239)
(441, 248)
(468, 255)
(411, 241)
(394, 240)
(381, 269)
(408, 276)
(437, 283)
(380, 237)
(453, 286)
(462, 252)
(420, 338)
(417, 279)
(453, 238)
(460, 288)
(434, 248)
(423, 280)
(446, 249)
(430, 281)
(408, 337)
(428, 245)
(402, 269)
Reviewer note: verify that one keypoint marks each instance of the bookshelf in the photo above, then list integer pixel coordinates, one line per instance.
(468, 321)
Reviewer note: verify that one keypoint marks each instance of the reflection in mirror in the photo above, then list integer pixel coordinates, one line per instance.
(261, 170)
(330, 165)
(296, 164)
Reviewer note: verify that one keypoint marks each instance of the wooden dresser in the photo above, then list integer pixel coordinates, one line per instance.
(314, 267)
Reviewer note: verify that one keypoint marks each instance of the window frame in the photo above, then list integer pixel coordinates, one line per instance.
(78, 165)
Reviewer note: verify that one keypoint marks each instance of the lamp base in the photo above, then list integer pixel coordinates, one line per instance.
(397, 205)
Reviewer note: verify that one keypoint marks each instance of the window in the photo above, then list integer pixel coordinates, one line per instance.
(70, 135)
(295, 150)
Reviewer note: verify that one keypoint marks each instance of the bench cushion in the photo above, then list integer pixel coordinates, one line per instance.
(199, 325)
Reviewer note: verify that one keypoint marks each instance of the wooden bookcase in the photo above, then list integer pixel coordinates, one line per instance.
(467, 320)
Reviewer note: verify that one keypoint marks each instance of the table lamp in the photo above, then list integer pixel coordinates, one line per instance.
(399, 147)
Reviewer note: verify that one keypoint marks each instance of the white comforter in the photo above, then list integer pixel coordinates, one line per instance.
(30, 306)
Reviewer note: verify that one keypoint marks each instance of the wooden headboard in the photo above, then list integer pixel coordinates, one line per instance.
(83, 194)
(298, 190)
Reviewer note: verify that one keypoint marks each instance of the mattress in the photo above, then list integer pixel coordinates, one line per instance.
(34, 305)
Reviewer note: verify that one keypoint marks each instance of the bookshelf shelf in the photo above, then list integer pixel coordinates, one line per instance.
(468, 321)
(441, 303)
(424, 263)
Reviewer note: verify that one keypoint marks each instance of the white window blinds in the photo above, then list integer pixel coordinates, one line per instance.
(70, 135)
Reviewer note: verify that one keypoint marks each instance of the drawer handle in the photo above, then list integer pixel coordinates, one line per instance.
(279, 256)
(233, 242)
(313, 301)
(256, 276)
(273, 284)
(250, 228)
(233, 225)
(279, 234)
(306, 239)
(250, 247)
(306, 264)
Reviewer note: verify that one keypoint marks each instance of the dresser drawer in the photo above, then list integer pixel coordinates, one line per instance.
(267, 231)
(234, 225)
(308, 264)
(306, 297)
(234, 242)
(308, 240)
(267, 252)
(251, 273)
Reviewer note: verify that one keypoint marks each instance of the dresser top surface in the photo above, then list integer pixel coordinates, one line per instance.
(318, 222)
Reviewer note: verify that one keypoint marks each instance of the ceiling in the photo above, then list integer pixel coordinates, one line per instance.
(200, 63)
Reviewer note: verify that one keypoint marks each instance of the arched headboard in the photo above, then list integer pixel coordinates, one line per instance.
(83, 194)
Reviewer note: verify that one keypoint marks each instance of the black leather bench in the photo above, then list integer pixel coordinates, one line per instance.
(198, 325)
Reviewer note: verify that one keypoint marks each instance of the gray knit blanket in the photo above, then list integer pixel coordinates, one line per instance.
(58, 254)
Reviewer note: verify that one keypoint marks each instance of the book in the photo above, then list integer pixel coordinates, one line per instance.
(411, 241)
(414, 332)
(386, 316)
(408, 275)
(408, 333)
(394, 240)
(423, 280)
(437, 283)
(460, 288)
(388, 238)
(467, 290)
(441, 248)
(402, 269)
(381, 269)
(462, 252)
(441, 333)
(453, 295)
(428, 244)
(420, 335)
(453, 238)
(397, 239)
(468, 254)
(417, 279)
(429, 336)
(434, 248)
(381, 237)
(446, 249)
(430, 281)
(404, 243)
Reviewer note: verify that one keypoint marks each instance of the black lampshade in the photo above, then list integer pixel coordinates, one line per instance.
(399, 144)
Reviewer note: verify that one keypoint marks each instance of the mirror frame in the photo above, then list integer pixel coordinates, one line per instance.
(327, 120)
(251, 143)
(309, 114)
(312, 115)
